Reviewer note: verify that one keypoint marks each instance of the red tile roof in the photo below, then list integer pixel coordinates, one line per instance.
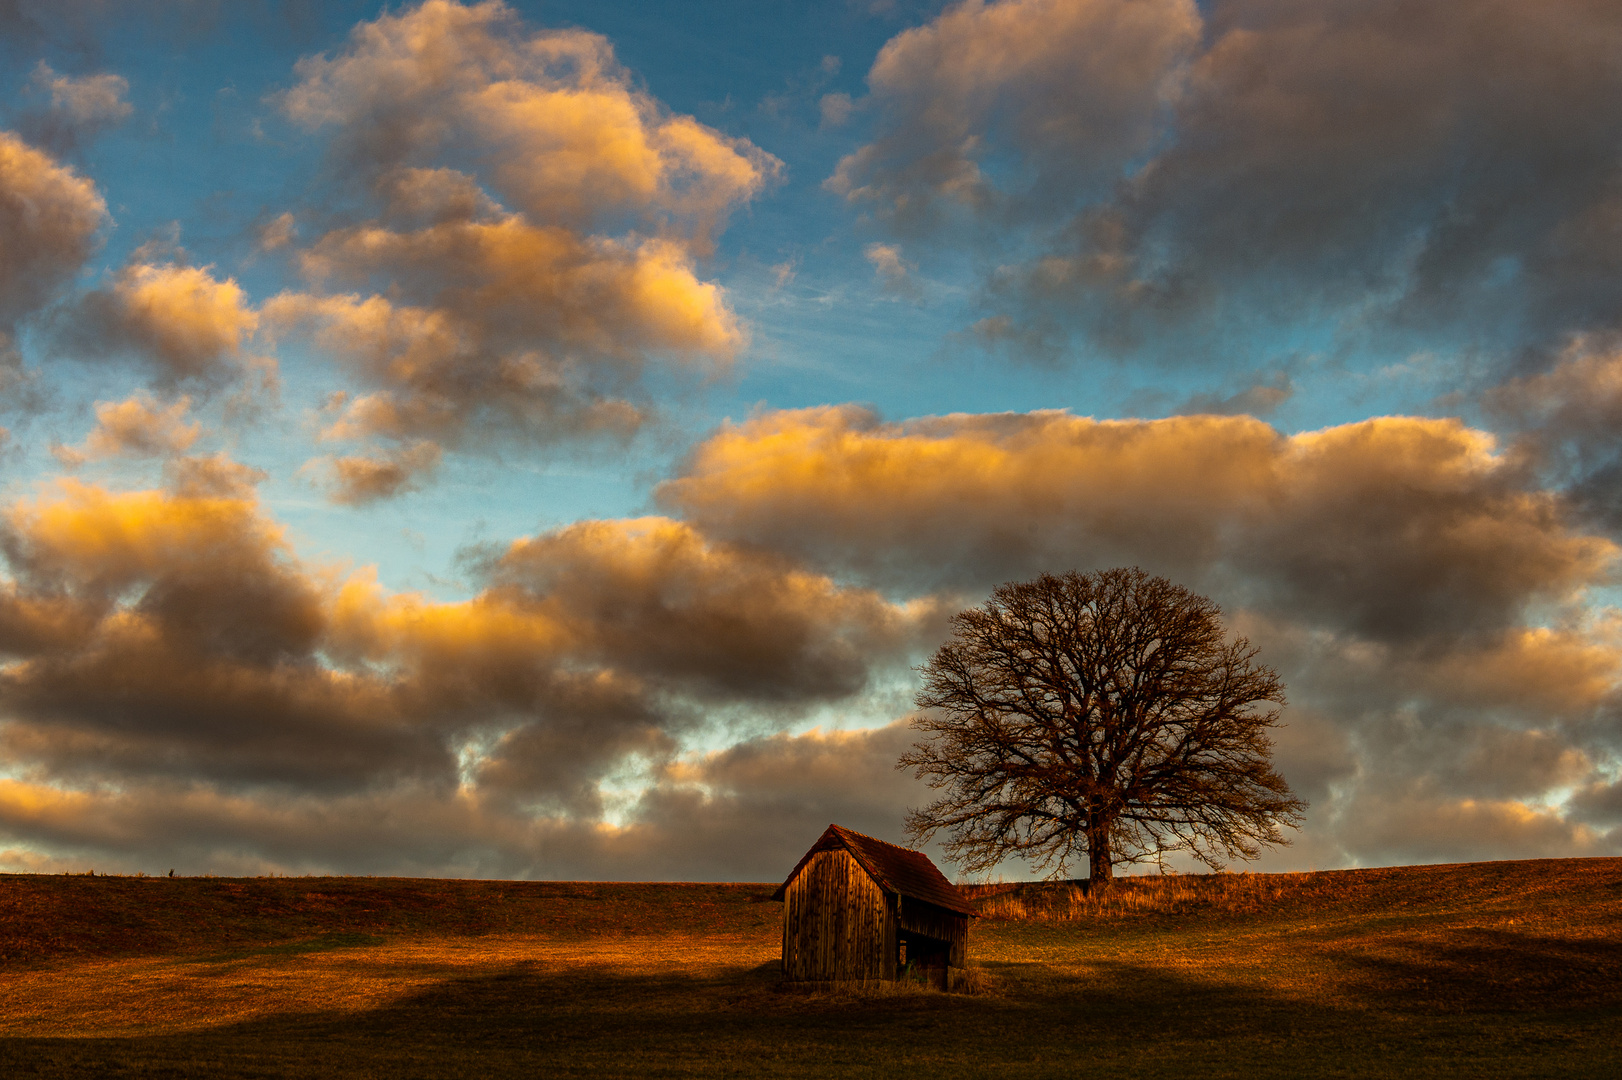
(897, 870)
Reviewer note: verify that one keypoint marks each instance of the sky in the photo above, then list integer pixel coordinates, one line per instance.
(541, 440)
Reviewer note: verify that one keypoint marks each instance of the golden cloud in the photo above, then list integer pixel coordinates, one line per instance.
(357, 480)
(189, 325)
(1394, 527)
(530, 320)
(189, 319)
(169, 648)
(138, 426)
(566, 135)
(49, 216)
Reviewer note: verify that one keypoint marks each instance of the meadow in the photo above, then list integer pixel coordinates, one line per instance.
(1509, 969)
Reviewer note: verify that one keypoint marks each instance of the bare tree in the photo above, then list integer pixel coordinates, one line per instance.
(1101, 714)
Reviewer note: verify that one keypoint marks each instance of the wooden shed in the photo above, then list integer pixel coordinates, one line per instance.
(859, 908)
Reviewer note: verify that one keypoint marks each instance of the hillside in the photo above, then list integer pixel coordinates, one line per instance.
(1513, 969)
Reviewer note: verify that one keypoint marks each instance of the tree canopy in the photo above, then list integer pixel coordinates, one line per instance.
(1105, 715)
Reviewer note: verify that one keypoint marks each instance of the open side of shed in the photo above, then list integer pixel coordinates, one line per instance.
(856, 908)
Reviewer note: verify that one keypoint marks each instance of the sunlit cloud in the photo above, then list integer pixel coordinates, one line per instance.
(538, 221)
(139, 426)
(49, 219)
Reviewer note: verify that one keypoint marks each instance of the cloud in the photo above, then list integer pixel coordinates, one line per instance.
(49, 218)
(743, 814)
(1568, 417)
(188, 325)
(138, 426)
(623, 696)
(1417, 825)
(78, 106)
(278, 232)
(533, 234)
(557, 123)
(213, 477)
(1601, 803)
(194, 653)
(537, 338)
(835, 109)
(1369, 166)
(749, 811)
(166, 657)
(894, 274)
(1435, 611)
(28, 27)
(1073, 87)
(357, 480)
(657, 598)
(1258, 400)
(1395, 528)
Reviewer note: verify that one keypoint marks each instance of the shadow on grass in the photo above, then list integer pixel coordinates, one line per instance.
(324, 943)
(1484, 970)
(1121, 1019)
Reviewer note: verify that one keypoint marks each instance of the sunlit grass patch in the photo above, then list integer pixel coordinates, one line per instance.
(1171, 894)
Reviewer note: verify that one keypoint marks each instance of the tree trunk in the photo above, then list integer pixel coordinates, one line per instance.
(1100, 859)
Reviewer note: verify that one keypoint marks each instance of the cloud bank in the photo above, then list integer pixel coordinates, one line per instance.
(648, 692)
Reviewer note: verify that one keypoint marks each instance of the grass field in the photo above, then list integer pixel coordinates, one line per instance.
(1490, 969)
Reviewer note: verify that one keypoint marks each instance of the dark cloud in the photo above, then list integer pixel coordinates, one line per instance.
(656, 599)
(195, 654)
(749, 812)
(73, 109)
(1392, 824)
(1371, 164)
(1569, 419)
(80, 26)
(1601, 804)
(743, 814)
(1072, 87)
(169, 637)
(1258, 400)
(617, 700)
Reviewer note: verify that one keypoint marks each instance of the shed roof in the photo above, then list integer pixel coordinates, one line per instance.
(896, 869)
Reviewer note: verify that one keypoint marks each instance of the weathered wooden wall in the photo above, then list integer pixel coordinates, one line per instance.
(837, 923)
(917, 917)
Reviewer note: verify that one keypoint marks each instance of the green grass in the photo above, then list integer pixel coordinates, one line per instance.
(1494, 969)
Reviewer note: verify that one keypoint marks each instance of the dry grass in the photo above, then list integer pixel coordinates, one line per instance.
(1171, 894)
(157, 995)
(1506, 969)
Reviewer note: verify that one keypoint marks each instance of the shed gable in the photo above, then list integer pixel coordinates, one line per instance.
(896, 870)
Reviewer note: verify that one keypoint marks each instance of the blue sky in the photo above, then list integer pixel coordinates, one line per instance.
(540, 439)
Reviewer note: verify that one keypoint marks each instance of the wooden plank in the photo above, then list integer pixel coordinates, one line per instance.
(837, 923)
